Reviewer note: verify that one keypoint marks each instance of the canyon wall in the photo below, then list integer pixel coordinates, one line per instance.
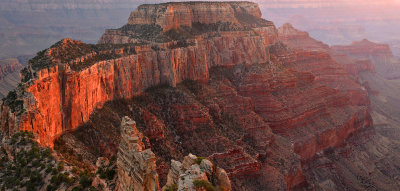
(9, 75)
(74, 94)
(373, 149)
(380, 55)
(175, 15)
(262, 103)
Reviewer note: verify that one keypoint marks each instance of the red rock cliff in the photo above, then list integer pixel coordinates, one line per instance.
(380, 55)
(284, 103)
(63, 94)
(175, 15)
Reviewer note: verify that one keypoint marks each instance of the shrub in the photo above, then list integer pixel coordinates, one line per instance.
(13, 140)
(50, 187)
(36, 163)
(74, 170)
(60, 166)
(198, 160)
(48, 169)
(100, 171)
(85, 181)
(173, 187)
(47, 152)
(204, 184)
(113, 159)
(30, 186)
(56, 179)
(54, 171)
(110, 174)
(77, 188)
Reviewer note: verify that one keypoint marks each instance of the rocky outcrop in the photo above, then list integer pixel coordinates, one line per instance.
(196, 173)
(331, 169)
(174, 15)
(120, 73)
(9, 66)
(136, 165)
(238, 96)
(380, 55)
(180, 21)
(9, 75)
(330, 67)
(299, 39)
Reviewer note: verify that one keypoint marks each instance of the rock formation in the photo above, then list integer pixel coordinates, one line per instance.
(183, 176)
(121, 73)
(230, 91)
(379, 54)
(9, 75)
(175, 15)
(372, 144)
(136, 165)
(299, 39)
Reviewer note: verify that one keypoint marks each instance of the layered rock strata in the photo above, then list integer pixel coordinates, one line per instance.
(263, 108)
(136, 165)
(122, 71)
(380, 55)
(365, 160)
(175, 15)
(9, 75)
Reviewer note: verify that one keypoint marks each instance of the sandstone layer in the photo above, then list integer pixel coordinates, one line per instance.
(9, 75)
(380, 55)
(136, 165)
(229, 91)
(366, 160)
(175, 15)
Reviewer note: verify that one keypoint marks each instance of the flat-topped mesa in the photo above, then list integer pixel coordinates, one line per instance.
(174, 15)
(380, 55)
(82, 77)
(364, 49)
(185, 20)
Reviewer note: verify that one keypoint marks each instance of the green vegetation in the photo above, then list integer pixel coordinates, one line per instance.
(26, 75)
(32, 165)
(66, 51)
(181, 44)
(40, 61)
(198, 160)
(85, 181)
(24, 170)
(15, 104)
(182, 33)
(149, 32)
(173, 187)
(113, 159)
(108, 172)
(204, 184)
(193, 86)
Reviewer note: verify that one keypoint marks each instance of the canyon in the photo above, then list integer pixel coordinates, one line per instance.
(274, 108)
(9, 75)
